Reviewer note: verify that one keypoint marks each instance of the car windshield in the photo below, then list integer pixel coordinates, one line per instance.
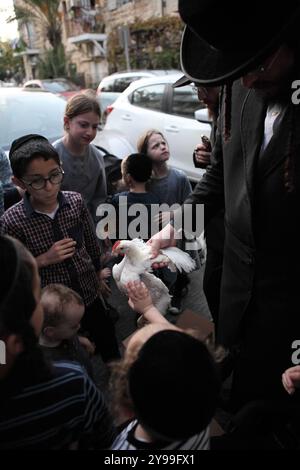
(59, 86)
(30, 113)
(119, 84)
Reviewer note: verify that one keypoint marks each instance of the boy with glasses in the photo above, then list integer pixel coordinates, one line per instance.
(57, 228)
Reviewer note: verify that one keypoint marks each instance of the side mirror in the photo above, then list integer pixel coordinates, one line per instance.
(201, 115)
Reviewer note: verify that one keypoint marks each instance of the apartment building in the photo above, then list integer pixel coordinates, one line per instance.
(33, 34)
(85, 27)
(84, 38)
(122, 12)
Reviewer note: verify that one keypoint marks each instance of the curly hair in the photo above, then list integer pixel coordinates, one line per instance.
(121, 402)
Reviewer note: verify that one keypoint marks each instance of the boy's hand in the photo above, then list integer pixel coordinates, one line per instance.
(87, 344)
(139, 297)
(59, 252)
(291, 379)
(105, 273)
(104, 288)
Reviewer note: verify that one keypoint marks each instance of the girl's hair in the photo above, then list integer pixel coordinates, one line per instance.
(142, 144)
(84, 102)
(120, 401)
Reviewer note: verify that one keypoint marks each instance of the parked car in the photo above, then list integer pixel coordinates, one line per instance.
(29, 112)
(105, 100)
(113, 85)
(153, 103)
(60, 86)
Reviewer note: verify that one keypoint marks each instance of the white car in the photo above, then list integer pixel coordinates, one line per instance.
(30, 112)
(113, 85)
(119, 81)
(152, 103)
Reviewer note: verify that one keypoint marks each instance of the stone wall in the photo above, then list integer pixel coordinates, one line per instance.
(137, 9)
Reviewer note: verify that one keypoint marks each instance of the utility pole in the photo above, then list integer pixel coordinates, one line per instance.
(124, 39)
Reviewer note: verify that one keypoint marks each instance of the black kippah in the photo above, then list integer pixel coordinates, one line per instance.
(173, 385)
(17, 143)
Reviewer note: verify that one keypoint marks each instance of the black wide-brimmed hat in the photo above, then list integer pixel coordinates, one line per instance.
(224, 40)
(174, 385)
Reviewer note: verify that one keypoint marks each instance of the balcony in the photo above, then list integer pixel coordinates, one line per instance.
(82, 25)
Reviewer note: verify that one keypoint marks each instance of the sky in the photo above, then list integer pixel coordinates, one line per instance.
(7, 31)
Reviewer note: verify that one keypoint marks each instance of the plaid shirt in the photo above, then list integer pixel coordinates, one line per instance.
(38, 233)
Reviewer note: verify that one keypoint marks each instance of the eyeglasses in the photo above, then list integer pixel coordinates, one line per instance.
(40, 182)
(263, 67)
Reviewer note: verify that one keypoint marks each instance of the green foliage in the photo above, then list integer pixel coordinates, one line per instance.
(53, 63)
(10, 66)
(44, 12)
(154, 44)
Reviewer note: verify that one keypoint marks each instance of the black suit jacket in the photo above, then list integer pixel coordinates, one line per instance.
(260, 282)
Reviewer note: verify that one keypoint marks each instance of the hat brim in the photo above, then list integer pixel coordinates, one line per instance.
(182, 81)
(206, 65)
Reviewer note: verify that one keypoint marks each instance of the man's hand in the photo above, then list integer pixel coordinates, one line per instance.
(291, 379)
(162, 239)
(164, 218)
(201, 156)
(59, 252)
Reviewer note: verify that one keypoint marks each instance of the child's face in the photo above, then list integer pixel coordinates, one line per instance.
(82, 129)
(158, 149)
(38, 169)
(123, 167)
(73, 313)
(124, 173)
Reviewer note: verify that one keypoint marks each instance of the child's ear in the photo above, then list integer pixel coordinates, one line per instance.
(128, 179)
(14, 345)
(49, 332)
(18, 182)
(66, 123)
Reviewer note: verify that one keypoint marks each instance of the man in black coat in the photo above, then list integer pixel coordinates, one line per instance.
(255, 176)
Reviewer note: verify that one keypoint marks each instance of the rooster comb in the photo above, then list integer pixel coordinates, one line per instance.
(116, 245)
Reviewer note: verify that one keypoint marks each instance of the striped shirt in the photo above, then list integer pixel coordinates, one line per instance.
(38, 233)
(56, 412)
(127, 441)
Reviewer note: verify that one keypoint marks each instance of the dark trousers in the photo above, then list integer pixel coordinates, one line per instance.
(212, 282)
(100, 328)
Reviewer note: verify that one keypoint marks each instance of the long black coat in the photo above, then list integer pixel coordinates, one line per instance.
(260, 291)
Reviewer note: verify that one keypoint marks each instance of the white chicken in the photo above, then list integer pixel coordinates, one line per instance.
(136, 266)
